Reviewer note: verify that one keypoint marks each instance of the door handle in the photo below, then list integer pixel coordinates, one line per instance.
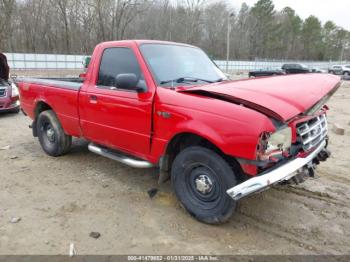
(93, 99)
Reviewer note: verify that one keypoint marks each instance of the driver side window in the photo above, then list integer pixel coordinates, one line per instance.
(115, 61)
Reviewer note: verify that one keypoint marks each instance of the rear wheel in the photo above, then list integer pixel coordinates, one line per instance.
(346, 73)
(51, 135)
(200, 178)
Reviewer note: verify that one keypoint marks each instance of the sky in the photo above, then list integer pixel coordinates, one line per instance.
(336, 10)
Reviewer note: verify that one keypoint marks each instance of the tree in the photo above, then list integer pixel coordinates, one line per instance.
(63, 7)
(329, 34)
(263, 14)
(312, 39)
(289, 34)
(214, 35)
(242, 33)
(7, 8)
(76, 26)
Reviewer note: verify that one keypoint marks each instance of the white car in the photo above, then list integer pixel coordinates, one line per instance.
(340, 70)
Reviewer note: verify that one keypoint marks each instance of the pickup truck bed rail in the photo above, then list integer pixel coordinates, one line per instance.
(66, 83)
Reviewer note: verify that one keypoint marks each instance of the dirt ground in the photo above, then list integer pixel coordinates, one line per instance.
(61, 200)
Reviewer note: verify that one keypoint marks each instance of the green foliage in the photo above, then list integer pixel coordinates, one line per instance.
(264, 36)
(311, 37)
(284, 35)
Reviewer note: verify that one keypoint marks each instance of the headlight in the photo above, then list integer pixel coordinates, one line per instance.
(275, 144)
(280, 140)
(14, 90)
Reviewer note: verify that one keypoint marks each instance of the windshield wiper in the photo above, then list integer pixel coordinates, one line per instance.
(185, 79)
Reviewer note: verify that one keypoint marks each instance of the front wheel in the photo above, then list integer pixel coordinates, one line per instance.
(51, 135)
(200, 178)
(346, 74)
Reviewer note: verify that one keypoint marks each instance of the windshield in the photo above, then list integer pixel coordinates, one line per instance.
(173, 65)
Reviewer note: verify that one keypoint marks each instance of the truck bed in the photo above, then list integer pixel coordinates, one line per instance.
(60, 94)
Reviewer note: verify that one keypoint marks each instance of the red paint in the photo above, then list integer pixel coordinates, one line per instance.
(128, 121)
(7, 102)
(286, 96)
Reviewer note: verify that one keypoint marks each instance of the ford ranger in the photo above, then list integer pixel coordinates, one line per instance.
(167, 105)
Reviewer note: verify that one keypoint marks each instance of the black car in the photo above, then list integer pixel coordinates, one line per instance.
(295, 69)
(266, 72)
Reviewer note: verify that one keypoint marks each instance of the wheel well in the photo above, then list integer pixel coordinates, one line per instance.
(184, 140)
(40, 107)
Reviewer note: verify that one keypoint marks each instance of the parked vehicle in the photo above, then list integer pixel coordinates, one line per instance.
(295, 68)
(266, 72)
(162, 104)
(9, 95)
(346, 70)
(340, 70)
(336, 70)
(9, 99)
(319, 70)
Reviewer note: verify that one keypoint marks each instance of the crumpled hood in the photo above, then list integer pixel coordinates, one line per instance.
(282, 97)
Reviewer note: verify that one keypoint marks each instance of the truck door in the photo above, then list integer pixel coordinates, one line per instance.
(115, 117)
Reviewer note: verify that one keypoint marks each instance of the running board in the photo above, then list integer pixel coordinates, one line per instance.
(119, 157)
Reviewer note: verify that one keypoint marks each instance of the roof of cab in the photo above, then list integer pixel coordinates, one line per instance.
(144, 41)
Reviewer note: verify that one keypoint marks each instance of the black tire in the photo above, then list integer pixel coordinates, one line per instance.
(346, 73)
(51, 135)
(210, 204)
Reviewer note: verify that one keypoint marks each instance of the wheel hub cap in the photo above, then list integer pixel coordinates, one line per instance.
(50, 134)
(203, 184)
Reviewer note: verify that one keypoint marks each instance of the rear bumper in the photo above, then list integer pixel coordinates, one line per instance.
(280, 174)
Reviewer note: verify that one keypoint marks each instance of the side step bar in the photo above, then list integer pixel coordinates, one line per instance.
(119, 157)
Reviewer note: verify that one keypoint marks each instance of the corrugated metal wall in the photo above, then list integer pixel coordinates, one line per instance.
(44, 61)
(264, 64)
(59, 61)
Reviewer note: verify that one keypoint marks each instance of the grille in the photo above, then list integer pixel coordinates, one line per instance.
(2, 92)
(312, 132)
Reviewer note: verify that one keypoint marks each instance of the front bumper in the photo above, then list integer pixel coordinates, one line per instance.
(9, 104)
(280, 174)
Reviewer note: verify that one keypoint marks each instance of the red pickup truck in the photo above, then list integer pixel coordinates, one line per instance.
(167, 105)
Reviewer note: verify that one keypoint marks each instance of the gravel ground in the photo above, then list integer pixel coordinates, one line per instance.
(47, 203)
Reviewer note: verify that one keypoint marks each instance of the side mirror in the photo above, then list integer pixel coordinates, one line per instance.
(128, 81)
